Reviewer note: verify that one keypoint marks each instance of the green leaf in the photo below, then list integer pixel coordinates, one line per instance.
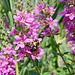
(25, 4)
(58, 9)
(59, 69)
(11, 4)
(66, 52)
(25, 64)
(10, 19)
(44, 42)
(47, 73)
(71, 60)
(33, 1)
(64, 68)
(32, 72)
(57, 53)
(6, 4)
(69, 65)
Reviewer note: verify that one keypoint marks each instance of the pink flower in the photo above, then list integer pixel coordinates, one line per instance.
(51, 9)
(69, 12)
(20, 41)
(52, 73)
(34, 54)
(73, 50)
(66, 10)
(13, 31)
(8, 50)
(22, 53)
(36, 11)
(23, 18)
(6, 25)
(51, 22)
(7, 62)
(69, 21)
(48, 32)
(70, 27)
(40, 6)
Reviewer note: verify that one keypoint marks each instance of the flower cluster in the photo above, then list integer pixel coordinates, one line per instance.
(70, 2)
(7, 62)
(5, 22)
(26, 40)
(69, 21)
(45, 13)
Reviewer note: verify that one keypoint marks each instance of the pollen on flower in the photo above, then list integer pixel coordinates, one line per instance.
(21, 41)
(22, 20)
(5, 61)
(51, 22)
(20, 34)
(7, 50)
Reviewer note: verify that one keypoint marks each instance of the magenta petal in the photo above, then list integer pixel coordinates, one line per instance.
(29, 20)
(41, 53)
(48, 19)
(36, 11)
(12, 31)
(51, 27)
(22, 45)
(71, 17)
(19, 13)
(27, 24)
(55, 20)
(55, 24)
(19, 58)
(25, 14)
(17, 47)
(28, 40)
(18, 18)
(32, 56)
(38, 57)
(15, 17)
(51, 18)
(67, 15)
(8, 32)
(40, 39)
(61, 0)
(51, 7)
(16, 42)
(17, 37)
(61, 13)
(28, 51)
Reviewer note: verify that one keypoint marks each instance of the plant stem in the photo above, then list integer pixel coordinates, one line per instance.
(35, 66)
(16, 66)
(61, 55)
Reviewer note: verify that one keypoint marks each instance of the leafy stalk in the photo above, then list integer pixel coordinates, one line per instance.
(35, 66)
(61, 55)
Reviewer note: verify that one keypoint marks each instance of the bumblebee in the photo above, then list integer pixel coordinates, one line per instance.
(36, 45)
(27, 28)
